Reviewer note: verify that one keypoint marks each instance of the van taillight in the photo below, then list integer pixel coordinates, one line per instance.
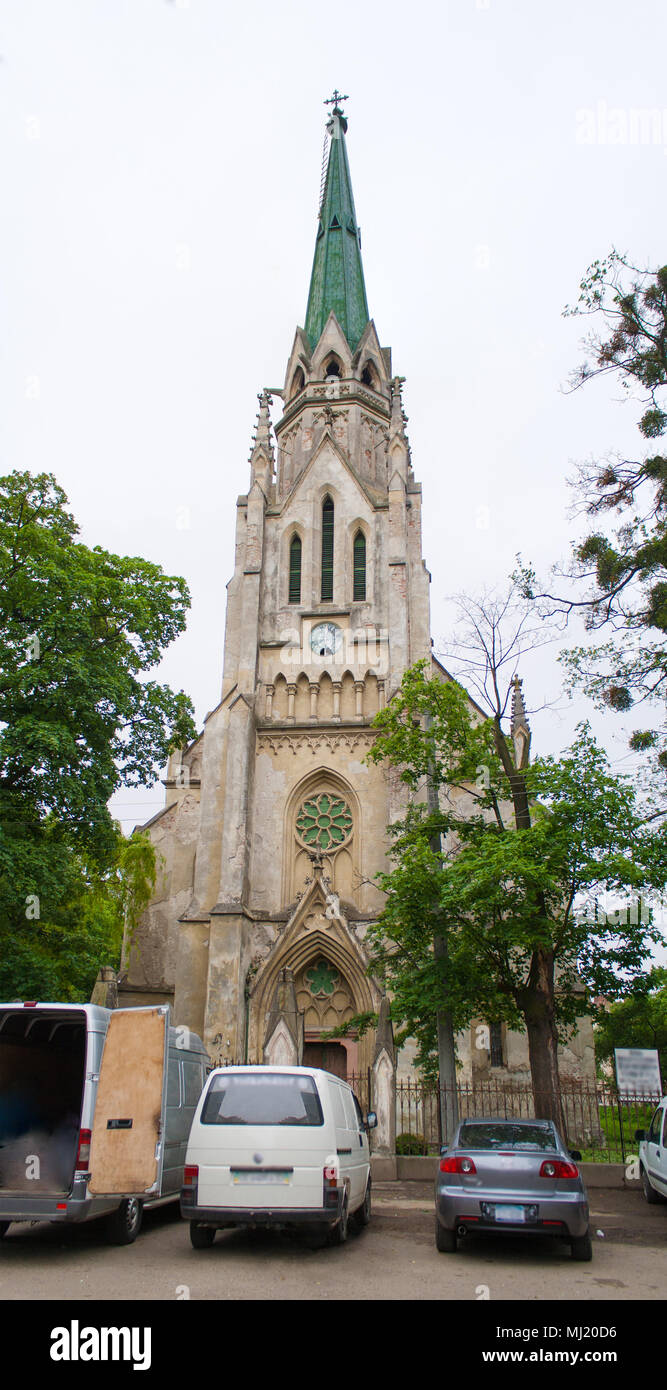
(30, 1003)
(330, 1187)
(190, 1174)
(83, 1151)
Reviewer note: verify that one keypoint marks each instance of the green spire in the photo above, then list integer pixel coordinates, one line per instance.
(337, 280)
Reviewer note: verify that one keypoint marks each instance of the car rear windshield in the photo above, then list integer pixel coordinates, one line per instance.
(507, 1136)
(262, 1100)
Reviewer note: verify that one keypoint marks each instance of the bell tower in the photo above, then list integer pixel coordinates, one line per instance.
(275, 824)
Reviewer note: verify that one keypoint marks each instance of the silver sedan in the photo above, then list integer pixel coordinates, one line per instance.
(510, 1177)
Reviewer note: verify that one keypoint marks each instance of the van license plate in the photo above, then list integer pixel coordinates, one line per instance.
(262, 1176)
(508, 1213)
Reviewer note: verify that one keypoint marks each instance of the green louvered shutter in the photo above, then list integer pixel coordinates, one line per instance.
(327, 549)
(359, 589)
(295, 570)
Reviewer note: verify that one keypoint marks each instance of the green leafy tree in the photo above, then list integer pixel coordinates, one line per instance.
(624, 571)
(521, 845)
(80, 628)
(58, 955)
(640, 1020)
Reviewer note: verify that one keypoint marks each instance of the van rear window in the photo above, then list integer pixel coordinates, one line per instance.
(274, 1099)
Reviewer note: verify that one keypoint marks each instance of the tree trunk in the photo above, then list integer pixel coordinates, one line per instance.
(537, 1005)
(449, 1102)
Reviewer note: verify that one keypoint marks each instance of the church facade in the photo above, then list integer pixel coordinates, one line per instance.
(274, 826)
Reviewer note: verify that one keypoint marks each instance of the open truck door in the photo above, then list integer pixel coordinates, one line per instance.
(127, 1137)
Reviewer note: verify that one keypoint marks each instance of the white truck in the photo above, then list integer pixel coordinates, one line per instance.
(95, 1112)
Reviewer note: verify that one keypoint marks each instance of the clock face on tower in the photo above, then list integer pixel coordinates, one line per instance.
(326, 639)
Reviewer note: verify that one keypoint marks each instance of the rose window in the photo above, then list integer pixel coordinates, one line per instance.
(324, 822)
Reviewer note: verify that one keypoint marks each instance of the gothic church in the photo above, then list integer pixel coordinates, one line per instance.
(274, 827)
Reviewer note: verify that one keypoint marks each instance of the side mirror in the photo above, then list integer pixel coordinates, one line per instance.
(574, 1153)
(371, 1120)
(640, 1134)
(443, 1149)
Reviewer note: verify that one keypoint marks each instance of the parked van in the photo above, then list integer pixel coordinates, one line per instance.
(277, 1146)
(95, 1111)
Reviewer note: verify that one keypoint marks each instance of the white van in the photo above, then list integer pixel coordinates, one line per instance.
(95, 1112)
(277, 1146)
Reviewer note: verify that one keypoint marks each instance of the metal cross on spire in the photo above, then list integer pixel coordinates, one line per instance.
(337, 96)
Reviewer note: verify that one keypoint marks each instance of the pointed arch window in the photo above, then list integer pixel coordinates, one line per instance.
(359, 558)
(327, 550)
(295, 570)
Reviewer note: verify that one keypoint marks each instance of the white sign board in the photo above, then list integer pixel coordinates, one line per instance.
(638, 1071)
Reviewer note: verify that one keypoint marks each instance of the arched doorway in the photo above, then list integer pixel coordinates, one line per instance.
(329, 1055)
(325, 999)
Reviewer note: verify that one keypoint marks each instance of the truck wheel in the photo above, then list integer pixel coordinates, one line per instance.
(4, 1227)
(201, 1236)
(445, 1239)
(582, 1247)
(338, 1233)
(124, 1224)
(649, 1192)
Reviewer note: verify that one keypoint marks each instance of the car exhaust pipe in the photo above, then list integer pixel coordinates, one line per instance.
(461, 1230)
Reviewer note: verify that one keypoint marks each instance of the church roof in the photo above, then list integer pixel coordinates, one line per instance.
(337, 279)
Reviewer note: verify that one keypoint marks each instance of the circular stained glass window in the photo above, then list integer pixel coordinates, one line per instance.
(324, 822)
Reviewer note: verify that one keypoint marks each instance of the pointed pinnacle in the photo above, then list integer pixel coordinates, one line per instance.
(262, 436)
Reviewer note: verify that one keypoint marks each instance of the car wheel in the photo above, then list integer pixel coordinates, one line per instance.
(4, 1227)
(582, 1247)
(124, 1224)
(650, 1193)
(445, 1239)
(338, 1233)
(201, 1236)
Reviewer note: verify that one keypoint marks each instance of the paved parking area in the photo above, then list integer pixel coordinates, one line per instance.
(395, 1258)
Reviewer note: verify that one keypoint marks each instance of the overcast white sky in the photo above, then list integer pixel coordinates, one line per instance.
(160, 169)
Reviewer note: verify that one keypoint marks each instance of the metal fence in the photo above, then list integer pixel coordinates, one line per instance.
(598, 1121)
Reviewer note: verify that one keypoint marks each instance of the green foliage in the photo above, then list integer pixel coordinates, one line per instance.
(625, 572)
(411, 1145)
(80, 629)
(639, 1020)
(57, 954)
(359, 1024)
(504, 886)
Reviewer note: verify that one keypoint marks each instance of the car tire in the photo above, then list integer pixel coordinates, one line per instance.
(362, 1215)
(124, 1224)
(445, 1239)
(582, 1247)
(338, 1233)
(650, 1193)
(4, 1227)
(202, 1237)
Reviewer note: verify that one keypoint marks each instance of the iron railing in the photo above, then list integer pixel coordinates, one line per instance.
(599, 1121)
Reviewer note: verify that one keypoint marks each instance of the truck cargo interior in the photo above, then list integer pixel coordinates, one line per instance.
(42, 1073)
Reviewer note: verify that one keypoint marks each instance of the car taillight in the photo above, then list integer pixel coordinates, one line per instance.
(190, 1174)
(83, 1152)
(558, 1168)
(457, 1165)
